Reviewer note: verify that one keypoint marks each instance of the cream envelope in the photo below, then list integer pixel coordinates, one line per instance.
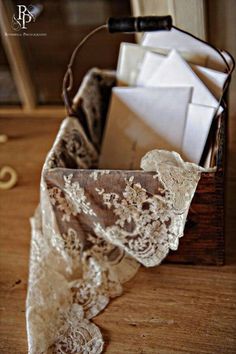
(175, 39)
(209, 156)
(174, 71)
(141, 119)
(199, 120)
(228, 58)
(131, 57)
(150, 64)
(129, 61)
(213, 79)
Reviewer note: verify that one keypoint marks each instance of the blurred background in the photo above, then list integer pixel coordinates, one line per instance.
(45, 58)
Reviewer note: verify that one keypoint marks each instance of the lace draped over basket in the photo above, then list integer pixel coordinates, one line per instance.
(93, 228)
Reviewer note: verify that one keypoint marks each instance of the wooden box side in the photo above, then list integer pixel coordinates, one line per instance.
(204, 236)
(203, 240)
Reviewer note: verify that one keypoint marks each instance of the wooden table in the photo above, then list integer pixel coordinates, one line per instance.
(164, 310)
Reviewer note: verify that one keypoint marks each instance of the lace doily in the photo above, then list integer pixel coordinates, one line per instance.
(90, 233)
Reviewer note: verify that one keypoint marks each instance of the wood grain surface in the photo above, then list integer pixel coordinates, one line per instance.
(164, 310)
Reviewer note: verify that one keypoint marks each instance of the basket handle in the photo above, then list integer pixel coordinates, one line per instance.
(113, 25)
(139, 24)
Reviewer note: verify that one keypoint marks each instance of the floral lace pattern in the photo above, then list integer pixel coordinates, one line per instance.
(77, 334)
(91, 232)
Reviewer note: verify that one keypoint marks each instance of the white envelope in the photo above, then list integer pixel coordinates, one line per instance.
(174, 71)
(129, 61)
(175, 39)
(131, 58)
(199, 120)
(151, 63)
(228, 58)
(208, 159)
(141, 119)
(213, 79)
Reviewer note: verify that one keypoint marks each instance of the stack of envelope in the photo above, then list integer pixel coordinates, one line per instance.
(169, 92)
